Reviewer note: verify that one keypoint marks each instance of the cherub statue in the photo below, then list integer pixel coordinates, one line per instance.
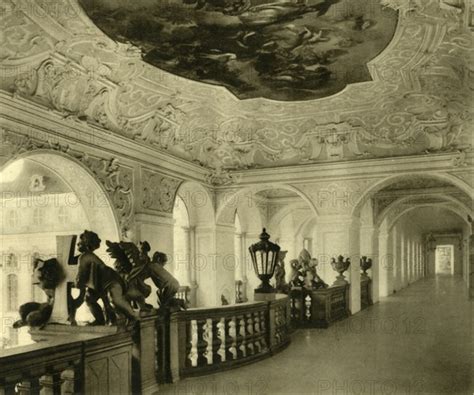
(133, 265)
(296, 276)
(308, 268)
(48, 276)
(280, 273)
(166, 283)
(316, 281)
(101, 282)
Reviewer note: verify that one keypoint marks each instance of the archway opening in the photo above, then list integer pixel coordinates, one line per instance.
(44, 195)
(444, 259)
(181, 246)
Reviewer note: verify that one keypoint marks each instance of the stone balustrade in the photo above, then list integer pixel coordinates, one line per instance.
(65, 364)
(205, 340)
(161, 348)
(319, 308)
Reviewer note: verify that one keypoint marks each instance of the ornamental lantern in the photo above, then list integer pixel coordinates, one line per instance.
(264, 257)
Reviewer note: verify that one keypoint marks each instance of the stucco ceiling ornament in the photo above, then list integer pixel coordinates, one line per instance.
(77, 91)
(220, 177)
(96, 80)
(158, 191)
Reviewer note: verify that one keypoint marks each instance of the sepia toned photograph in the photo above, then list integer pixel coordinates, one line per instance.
(237, 197)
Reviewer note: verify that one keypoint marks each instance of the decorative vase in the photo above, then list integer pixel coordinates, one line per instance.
(365, 264)
(340, 265)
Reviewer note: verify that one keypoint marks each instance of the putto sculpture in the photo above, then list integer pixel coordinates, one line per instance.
(304, 272)
(101, 282)
(122, 289)
(166, 283)
(280, 273)
(133, 265)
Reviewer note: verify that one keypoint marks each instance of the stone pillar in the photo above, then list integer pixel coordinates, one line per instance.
(420, 260)
(192, 268)
(244, 266)
(204, 263)
(215, 264)
(404, 259)
(307, 244)
(241, 264)
(396, 259)
(187, 268)
(340, 235)
(410, 259)
(385, 264)
(471, 266)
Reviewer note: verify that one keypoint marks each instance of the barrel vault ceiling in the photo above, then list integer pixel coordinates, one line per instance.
(416, 99)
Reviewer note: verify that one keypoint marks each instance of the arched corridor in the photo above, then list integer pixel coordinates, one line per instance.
(236, 196)
(417, 341)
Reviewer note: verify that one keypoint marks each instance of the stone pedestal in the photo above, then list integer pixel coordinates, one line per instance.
(144, 374)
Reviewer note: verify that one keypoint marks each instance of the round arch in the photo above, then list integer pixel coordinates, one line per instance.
(233, 198)
(90, 193)
(447, 199)
(457, 211)
(198, 203)
(380, 184)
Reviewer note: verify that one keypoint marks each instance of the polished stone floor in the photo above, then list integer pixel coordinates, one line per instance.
(418, 341)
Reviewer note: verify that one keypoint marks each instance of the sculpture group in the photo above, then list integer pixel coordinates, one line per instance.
(122, 290)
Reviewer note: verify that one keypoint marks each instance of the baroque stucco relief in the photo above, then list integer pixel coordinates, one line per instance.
(115, 178)
(417, 103)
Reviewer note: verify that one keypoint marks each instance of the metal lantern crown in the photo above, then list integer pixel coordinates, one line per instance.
(264, 257)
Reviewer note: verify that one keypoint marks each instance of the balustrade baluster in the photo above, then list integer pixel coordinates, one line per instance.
(243, 334)
(46, 383)
(208, 338)
(257, 342)
(233, 336)
(307, 304)
(23, 387)
(263, 330)
(193, 352)
(250, 333)
(67, 381)
(222, 338)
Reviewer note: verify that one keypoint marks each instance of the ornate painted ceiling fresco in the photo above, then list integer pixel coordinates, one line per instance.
(418, 101)
(278, 50)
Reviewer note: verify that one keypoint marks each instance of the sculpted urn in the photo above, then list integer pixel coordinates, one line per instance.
(340, 265)
(365, 264)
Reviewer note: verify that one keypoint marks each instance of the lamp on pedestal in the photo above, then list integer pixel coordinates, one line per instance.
(264, 256)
